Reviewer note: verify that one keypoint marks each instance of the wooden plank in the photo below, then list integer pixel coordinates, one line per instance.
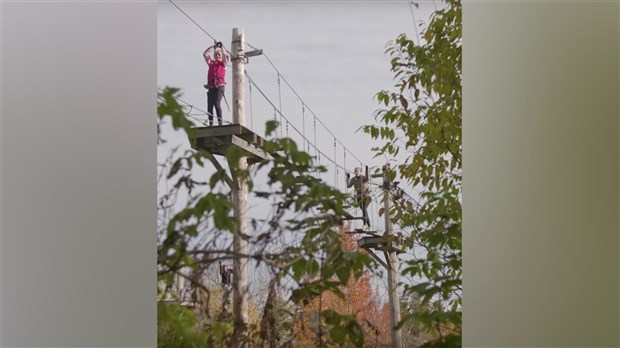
(252, 138)
(213, 131)
(217, 139)
(226, 129)
(255, 151)
(213, 145)
(371, 240)
(379, 242)
(219, 144)
(359, 231)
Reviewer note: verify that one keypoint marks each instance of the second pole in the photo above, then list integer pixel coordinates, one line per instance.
(392, 261)
(240, 197)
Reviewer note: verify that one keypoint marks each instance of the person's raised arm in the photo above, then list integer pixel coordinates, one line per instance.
(225, 53)
(207, 54)
(349, 180)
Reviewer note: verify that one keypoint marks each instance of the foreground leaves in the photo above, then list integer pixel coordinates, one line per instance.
(422, 122)
(305, 209)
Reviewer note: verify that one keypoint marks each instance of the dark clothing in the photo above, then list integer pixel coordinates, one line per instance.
(360, 185)
(362, 195)
(224, 277)
(226, 273)
(364, 206)
(229, 273)
(214, 98)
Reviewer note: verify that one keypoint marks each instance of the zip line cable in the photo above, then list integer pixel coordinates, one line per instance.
(344, 162)
(251, 110)
(280, 104)
(335, 156)
(275, 118)
(193, 21)
(279, 75)
(318, 152)
(202, 112)
(304, 105)
(275, 108)
(318, 174)
(192, 107)
(303, 121)
(332, 134)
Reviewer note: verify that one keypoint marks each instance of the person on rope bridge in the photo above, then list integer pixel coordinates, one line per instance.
(362, 193)
(215, 79)
(226, 273)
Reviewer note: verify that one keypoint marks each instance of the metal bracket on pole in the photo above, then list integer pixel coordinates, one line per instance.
(253, 53)
(240, 57)
(249, 54)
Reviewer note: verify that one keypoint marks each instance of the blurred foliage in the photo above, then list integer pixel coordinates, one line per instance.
(362, 319)
(175, 327)
(422, 121)
(307, 208)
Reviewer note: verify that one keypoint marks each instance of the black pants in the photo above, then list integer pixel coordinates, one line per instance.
(214, 99)
(364, 207)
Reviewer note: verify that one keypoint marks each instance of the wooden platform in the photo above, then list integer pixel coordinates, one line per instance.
(384, 243)
(218, 139)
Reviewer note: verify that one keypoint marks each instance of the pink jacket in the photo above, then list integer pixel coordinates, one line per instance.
(217, 70)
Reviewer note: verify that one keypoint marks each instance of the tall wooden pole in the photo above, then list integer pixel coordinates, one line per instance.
(392, 258)
(240, 197)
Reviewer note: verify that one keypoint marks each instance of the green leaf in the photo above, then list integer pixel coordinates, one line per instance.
(343, 274)
(175, 168)
(356, 334)
(270, 127)
(338, 334)
(298, 268)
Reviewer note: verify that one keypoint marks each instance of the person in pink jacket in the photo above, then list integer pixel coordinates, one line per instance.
(215, 79)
